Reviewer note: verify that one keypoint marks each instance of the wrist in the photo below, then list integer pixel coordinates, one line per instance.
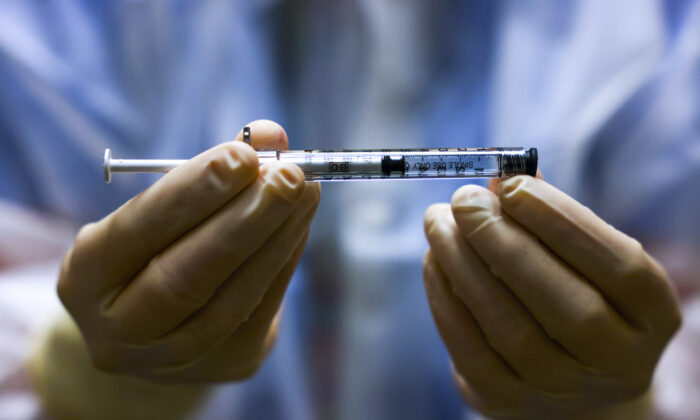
(69, 386)
(638, 408)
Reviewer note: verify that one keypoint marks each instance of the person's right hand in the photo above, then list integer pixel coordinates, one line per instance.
(184, 281)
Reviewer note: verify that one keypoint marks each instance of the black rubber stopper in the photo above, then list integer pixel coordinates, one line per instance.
(520, 164)
(531, 162)
(246, 134)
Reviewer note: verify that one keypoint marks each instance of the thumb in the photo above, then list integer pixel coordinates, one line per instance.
(265, 134)
(493, 184)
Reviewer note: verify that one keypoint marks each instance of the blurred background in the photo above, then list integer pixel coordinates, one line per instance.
(609, 92)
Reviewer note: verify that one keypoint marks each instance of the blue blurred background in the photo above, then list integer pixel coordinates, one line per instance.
(609, 92)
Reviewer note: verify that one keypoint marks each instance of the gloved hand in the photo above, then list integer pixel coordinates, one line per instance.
(546, 310)
(184, 281)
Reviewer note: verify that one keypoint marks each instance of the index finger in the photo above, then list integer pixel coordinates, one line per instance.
(614, 262)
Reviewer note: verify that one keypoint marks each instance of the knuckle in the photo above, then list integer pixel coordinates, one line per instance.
(464, 194)
(513, 191)
(655, 269)
(171, 287)
(284, 180)
(591, 321)
(230, 164)
(203, 337)
(118, 326)
(84, 239)
(432, 220)
(240, 155)
(515, 344)
(292, 175)
(431, 213)
(86, 232)
(637, 267)
(64, 286)
(218, 326)
(635, 264)
(675, 320)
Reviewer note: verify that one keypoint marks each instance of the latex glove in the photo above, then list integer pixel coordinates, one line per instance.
(546, 310)
(183, 282)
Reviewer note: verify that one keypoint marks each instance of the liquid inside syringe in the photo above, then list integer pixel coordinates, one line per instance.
(349, 165)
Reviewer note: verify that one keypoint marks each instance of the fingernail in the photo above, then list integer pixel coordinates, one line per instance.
(432, 216)
(237, 154)
(292, 175)
(472, 198)
(508, 187)
(285, 180)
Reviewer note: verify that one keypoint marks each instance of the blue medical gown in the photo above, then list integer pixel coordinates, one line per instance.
(608, 92)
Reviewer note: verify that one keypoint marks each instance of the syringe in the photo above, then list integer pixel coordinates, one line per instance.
(351, 165)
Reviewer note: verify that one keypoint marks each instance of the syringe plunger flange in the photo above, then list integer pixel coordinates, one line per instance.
(107, 166)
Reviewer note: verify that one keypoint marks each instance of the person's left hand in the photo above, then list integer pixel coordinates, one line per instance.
(545, 309)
